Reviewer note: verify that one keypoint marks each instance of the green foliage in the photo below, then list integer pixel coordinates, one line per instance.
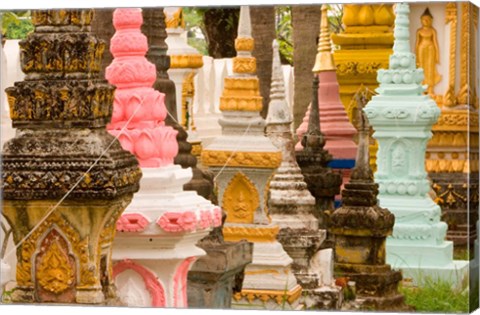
(335, 16)
(16, 25)
(283, 17)
(195, 28)
(437, 297)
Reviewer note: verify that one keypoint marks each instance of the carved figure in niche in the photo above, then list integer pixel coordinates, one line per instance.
(428, 54)
(240, 200)
(399, 161)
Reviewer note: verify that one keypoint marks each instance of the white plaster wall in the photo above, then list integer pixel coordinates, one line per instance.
(437, 9)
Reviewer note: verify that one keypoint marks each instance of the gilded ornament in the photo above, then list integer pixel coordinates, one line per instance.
(186, 61)
(54, 272)
(242, 159)
(244, 65)
(240, 199)
(427, 51)
(266, 295)
(188, 92)
(244, 44)
(254, 234)
(175, 20)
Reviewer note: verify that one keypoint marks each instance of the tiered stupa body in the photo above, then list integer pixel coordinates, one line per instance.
(184, 64)
(335, 125)
(402, 117)
(155, 243)
(292, 206)
(244, 159)
(65, 180)
(361, 227)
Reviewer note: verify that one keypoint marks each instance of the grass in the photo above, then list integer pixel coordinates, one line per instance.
(438, 297)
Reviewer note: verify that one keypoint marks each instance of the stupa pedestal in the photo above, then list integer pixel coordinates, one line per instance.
(402, 117)
(155, 244)
(184, 64)
(336, 127)
(65, 180)
(243, 160)
(292, 206)
(360, 228)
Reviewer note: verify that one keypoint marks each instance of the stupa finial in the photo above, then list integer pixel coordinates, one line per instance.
(313, 138)
(324, 59)
(278, 110)
(401, 32)
(244, 24)
(402, 75)
(362, 171)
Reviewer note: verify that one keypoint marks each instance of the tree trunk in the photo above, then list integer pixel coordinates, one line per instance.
(221, 30)
(306, 27)
(102, 26)
(263, 31)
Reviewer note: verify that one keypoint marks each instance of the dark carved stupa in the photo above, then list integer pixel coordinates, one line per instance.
(360, 228)
(65, 180)
(154, 29)
(323, 183)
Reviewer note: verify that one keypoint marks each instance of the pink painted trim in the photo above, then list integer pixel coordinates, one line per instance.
(217, 216)
(178, 221)
(152, 284)
(206, 219)
(180, 283)
(132, 222)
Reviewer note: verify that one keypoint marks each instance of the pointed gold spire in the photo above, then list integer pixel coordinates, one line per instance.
(324, 59)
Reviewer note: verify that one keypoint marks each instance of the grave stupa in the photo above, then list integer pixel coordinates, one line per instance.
(402, 118)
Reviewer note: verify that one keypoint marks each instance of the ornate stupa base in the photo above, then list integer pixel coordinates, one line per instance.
(418, 248)
(155, 245)
(212, 279)
(276, 300)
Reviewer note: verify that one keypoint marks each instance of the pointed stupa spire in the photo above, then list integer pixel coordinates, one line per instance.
(278, 110)
(324, 59)
(313, 138)
(402, 75)
(401, 31)
(244, 24)
(362, 171)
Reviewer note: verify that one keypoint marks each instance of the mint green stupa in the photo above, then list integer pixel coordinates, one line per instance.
(402, 118)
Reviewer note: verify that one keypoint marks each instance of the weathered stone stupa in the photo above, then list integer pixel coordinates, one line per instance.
(155, 244)
(243, 160)
(65, 180)
(335, 126)
(361, 227)
(402, 117)
(292, 206)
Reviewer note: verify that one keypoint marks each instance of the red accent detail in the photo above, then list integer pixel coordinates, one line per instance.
(132, 222)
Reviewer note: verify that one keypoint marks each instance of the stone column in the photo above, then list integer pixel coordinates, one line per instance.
(155, 244)
(185, 62)
(402, 118)
(292, 206)
(65, 180)
(365, 45)
(243, 160)
(360, 228)
(336, 127)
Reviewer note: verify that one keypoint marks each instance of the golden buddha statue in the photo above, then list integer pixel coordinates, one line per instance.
(427, 51)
